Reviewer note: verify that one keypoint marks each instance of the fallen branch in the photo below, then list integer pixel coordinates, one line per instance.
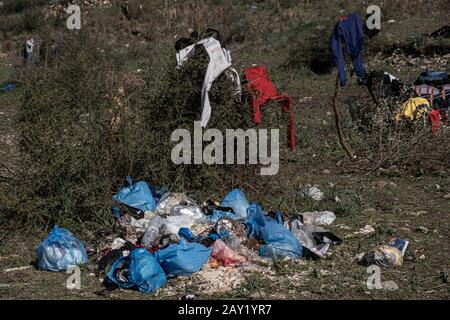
(17, 269)
(337, 115)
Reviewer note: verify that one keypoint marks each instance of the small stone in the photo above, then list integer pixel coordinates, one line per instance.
(447, 196)
(381, 184)
(359, 256)
(393, 184)
(390, 285)
(258, 295)
(325, 272)
(417, 213)
(368, 229)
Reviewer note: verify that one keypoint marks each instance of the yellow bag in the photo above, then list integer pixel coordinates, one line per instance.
(413, 109)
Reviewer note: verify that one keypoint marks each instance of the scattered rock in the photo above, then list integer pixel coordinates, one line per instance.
(359, 256)
(390, 286)
(447, 196)
(417, 213)
(381, 184)
(258, 295)
(325, 272)
(218, 280)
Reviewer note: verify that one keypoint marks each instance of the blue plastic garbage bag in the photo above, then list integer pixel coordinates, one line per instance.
(143, 271)
(279, 242)
(183, 258)
(60, 250)
(238, 201)
(157, 194)
(137, 195)
(186, 233)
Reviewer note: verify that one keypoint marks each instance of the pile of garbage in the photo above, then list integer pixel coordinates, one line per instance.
(167, 234)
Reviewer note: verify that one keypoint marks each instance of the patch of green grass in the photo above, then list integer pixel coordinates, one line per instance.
(252, 284)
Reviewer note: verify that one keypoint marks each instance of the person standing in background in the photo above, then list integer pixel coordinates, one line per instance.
(28, 51)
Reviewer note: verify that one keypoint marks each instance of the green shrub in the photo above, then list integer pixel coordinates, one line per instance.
(70, 153)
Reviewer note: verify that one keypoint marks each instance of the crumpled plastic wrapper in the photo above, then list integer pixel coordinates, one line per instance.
(169, 200)
(312, 192)
(323, 218)
(227, 226)
(383, 256)
(304, 233)
(226, 256)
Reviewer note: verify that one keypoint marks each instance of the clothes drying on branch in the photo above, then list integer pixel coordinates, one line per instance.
(428, 92)
(349, 31)
(435, 119)
(219, 61)
(262, 91)
(446, 91)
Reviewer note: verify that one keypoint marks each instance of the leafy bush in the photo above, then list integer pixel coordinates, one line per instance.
(68, 146)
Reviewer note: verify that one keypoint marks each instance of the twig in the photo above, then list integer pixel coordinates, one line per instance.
(250, 187)
(17, 269)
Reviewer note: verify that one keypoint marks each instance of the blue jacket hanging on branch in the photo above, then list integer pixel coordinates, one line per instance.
(349, 31)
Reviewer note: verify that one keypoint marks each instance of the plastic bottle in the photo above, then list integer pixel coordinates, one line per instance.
(152, 234)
